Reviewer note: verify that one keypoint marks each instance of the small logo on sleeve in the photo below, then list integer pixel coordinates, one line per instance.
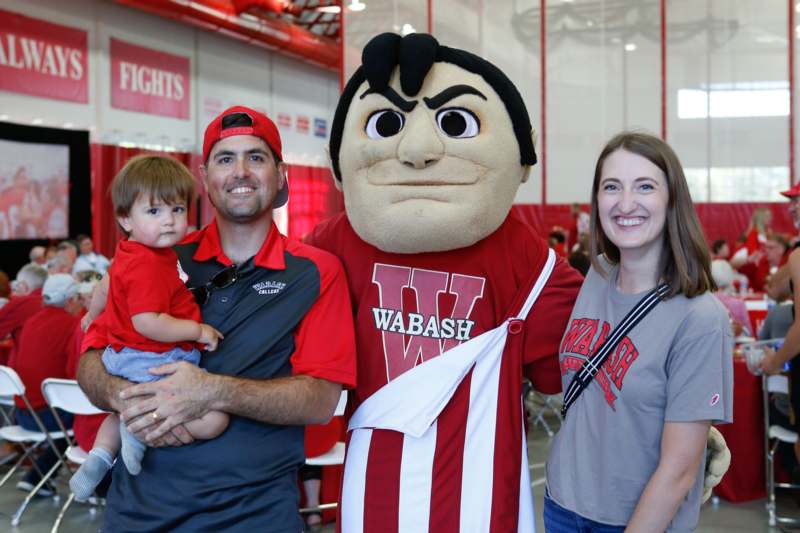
(714, 400)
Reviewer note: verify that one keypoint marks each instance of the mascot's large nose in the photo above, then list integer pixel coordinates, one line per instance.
(421, 146)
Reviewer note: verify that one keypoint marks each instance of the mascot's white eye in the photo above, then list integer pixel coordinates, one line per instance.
(458, 122)
(384, 123)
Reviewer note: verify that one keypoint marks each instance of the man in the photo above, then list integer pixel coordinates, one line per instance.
(288, 348)
(785, 284)
(578, 226)
(58, 264)
(25, 301)
(89, 259)
(779, 285)
(720, 250)
(69, 251)
(37, 255)
(46, 345)
(776, 252)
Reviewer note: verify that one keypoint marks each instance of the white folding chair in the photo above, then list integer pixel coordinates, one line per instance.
(11, 385)
(773, 436)
(538, 405)
(334, 456)
(6, 419)
(66, 394)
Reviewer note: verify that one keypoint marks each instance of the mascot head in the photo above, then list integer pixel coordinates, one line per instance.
(429, 145)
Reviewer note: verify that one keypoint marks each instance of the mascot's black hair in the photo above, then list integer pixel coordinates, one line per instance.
(415, 54)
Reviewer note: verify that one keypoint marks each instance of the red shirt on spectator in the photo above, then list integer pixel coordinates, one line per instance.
(46, 344)
(756, 273)
(753, 241)
(13, 316)
(145, 280)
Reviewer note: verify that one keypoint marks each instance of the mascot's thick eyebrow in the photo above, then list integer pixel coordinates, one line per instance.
(391, 95)
(448, 94)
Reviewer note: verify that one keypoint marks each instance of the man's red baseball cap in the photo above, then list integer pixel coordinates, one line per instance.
(794, 191)
(261, 127)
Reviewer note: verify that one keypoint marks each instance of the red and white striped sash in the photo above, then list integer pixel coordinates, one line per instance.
(421, 450)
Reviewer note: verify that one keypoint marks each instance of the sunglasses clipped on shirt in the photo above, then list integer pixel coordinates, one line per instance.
(221, 280)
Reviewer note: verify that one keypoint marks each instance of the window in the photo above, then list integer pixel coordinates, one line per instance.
(738, 184)
(735, 100)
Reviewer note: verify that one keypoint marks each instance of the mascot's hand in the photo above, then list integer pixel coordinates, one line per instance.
(718, 462)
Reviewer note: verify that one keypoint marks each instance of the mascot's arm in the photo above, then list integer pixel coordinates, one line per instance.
(545, 327)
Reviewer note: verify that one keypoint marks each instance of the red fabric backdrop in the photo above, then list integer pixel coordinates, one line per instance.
(313, 195)
(720, 220)
(107, 160)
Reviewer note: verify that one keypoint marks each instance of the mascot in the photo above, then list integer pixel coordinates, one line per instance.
(455, 299)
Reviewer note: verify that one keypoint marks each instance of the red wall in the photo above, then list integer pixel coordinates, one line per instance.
(314, 198)
(720, 220)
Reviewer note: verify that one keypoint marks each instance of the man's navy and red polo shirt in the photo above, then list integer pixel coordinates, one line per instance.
(288, 313)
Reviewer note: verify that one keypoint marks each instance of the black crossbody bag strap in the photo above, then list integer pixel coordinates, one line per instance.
(592, 365)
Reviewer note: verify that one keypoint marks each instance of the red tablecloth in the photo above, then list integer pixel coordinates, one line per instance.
(745, 480)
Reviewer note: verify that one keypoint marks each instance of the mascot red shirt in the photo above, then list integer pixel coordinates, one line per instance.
(455, 299)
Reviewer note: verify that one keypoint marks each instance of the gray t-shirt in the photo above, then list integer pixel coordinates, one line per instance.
(778, 321)
(676, 365)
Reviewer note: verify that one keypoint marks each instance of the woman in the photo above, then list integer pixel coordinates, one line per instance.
(630, 454)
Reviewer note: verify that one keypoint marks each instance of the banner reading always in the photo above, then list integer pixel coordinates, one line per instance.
(43, 59)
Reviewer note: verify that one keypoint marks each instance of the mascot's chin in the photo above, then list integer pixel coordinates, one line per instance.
(432, 215)
(408, 233)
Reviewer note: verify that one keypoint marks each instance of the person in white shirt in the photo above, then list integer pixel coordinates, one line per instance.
(89, 259)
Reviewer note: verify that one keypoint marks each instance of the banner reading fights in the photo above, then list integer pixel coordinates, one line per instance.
(149, 81)
(43, 59)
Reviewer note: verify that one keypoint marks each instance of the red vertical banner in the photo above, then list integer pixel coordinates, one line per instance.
(342, 46)
(663, 17)
(792, 178)
(543, 63)
(43, 59)
(149, 81)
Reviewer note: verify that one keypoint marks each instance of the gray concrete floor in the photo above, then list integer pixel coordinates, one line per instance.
(721, 518)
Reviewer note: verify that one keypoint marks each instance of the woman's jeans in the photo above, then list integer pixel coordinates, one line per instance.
(560, 520)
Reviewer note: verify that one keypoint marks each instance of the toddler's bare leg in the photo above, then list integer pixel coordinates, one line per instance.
(108, 435)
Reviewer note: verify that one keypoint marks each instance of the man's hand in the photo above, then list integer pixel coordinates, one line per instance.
(184, 394)
(771, 364)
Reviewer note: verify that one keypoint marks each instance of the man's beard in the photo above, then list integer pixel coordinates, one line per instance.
(241, 214)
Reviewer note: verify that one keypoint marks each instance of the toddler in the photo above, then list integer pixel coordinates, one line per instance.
(151, 317)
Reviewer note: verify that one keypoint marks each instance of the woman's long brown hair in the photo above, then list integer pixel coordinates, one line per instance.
(685, 262)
